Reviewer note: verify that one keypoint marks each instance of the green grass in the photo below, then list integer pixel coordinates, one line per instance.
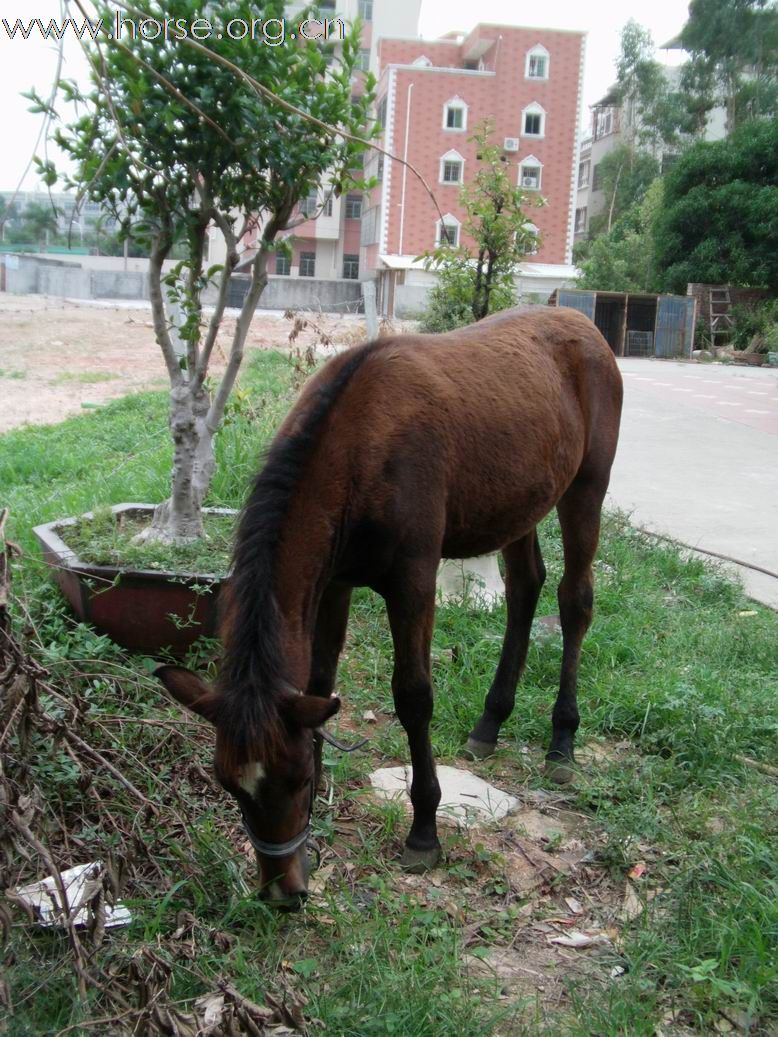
(673, 672)
(108, 539)
(85, 377)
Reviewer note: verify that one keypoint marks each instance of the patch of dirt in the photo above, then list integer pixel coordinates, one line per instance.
(59, 357)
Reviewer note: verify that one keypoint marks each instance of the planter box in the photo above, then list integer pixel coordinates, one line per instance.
(141, 609)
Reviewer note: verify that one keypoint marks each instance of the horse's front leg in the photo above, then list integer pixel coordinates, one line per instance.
(328, 639)
(410, 605)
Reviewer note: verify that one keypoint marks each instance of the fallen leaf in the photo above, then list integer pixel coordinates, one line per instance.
(574, 906)
(638, 871)
(369, 716)
(631, 905)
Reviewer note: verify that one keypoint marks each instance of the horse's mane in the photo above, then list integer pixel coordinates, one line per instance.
(252, 678)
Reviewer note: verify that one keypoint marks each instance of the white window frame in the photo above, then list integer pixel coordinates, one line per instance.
(455, 102)
(538, 51)
(584, 172)
(533, 109)
(448, 221)
(534, 163)
(451, 156)
(353, 260)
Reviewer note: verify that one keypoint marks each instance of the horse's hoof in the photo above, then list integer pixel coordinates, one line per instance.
(479, 750)
(418, 861)
(560, 770)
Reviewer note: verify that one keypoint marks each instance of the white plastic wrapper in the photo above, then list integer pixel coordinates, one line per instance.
(79, 882)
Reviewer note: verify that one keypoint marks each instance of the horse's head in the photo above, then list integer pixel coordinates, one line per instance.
(274, 784)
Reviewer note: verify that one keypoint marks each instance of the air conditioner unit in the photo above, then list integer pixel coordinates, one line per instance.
(529, 181)
(511, 144)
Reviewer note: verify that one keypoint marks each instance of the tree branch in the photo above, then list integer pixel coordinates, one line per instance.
(231, 261)
(159, 251)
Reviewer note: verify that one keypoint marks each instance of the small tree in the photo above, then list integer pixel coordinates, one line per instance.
(477, 279)
(176, 138)
(39, 222)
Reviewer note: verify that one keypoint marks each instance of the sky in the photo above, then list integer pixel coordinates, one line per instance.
(28, 63)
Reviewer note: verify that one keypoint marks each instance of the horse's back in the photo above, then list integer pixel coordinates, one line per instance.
(477, 432)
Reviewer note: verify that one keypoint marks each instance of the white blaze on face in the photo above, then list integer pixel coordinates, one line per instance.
(250, 777)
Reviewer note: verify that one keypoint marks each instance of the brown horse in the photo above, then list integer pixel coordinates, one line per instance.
(399, 453)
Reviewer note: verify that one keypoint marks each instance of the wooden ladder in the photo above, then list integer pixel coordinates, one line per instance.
(719, 311)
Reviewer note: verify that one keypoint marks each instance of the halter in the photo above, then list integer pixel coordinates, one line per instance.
(294, 844)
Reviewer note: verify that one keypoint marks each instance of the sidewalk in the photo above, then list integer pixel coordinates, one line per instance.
(698, 462)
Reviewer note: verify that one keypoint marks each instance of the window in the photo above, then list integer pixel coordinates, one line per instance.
(530, 172)
(366, 10)
(310, 203)
(580, 220)
(381, 112)
(538, 61)
(379, 174)
(603, 122)
(327, 207)
(455, 114)
(351, 268)
(353, 207)
(452, 172)
(307, 264)
(451, 167)
(369, 228)
(596, 178)
(363, 61)
(534, 121)
(532, 249)
(283, 264)
(448, 231)
(583, 173)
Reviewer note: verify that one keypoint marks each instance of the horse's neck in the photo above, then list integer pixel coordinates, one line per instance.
(303, 563)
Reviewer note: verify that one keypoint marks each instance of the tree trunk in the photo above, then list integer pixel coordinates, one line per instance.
(179, 518)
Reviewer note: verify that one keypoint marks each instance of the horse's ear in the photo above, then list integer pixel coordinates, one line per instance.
(188, 689)
(309, 710)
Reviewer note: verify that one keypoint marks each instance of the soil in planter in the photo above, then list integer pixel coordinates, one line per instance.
(109, 539)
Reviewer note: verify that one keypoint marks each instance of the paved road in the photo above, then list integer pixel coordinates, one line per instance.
(698, 460)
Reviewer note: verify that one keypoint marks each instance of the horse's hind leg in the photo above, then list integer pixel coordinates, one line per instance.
(524, 576)
(579, 516)
(410, 605)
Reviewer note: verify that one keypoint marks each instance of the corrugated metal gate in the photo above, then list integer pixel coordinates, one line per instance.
(674, 325)
(672, 328)
(583, 301)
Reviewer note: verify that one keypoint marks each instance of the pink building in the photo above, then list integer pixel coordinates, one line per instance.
(430, 97)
